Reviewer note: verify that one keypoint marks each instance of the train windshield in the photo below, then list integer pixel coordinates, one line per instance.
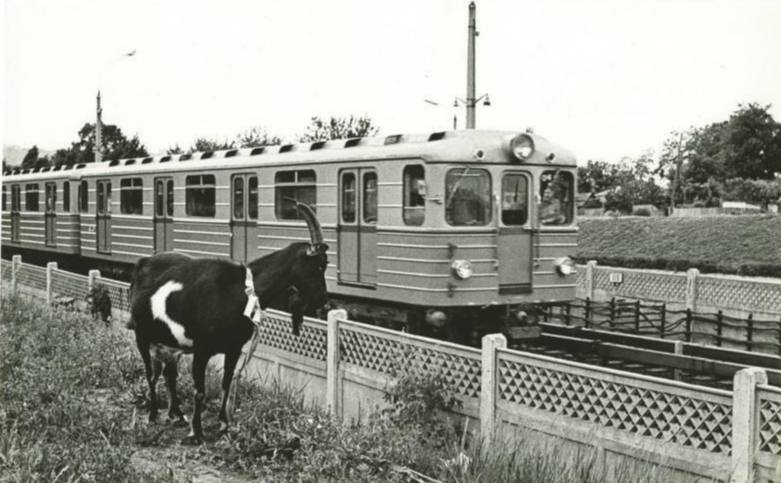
(468, 197)
(556, 197)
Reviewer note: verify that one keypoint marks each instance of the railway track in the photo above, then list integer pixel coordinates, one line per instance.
(691, 363)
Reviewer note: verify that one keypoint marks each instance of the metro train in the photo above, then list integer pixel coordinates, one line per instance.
(456, 231)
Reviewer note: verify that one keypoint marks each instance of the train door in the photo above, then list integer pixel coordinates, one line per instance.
(244, 215)
(103, 216)
(16, 206)
(50, 216)
(514, 235)
(164, 214)
(358, 226)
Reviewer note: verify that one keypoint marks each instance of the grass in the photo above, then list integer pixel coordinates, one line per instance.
(745, 245)
(72, 408)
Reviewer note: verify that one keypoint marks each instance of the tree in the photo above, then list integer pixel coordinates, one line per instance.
(339, 128)
(114, 142)
(751, 143)
(255, 137)
(32, 160)
(210, 145)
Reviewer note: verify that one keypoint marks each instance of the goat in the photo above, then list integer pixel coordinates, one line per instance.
(186, 305)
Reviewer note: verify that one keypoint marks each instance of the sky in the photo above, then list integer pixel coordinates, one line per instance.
(607, 79)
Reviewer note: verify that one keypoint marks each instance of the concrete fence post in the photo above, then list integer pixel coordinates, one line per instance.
(488, 387)
(677, 350)
(745, 422)
(16, 264)
(91, 276)
(590, 266)
(332, 399)
(49, 282)
(691, 288)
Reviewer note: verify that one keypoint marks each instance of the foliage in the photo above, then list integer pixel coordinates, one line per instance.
(745, 245)
(255, 137)
(32, 160)
(642, 212)
(755, 191)
(619, 200)
(339, 128)
(114, 143)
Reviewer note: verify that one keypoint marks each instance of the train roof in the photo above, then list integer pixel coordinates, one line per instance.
(442, 146)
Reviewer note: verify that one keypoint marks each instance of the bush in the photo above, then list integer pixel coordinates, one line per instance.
(642, 212)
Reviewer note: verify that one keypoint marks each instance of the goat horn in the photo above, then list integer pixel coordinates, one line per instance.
(308, 214)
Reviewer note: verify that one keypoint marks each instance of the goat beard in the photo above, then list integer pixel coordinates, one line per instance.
(297, 308)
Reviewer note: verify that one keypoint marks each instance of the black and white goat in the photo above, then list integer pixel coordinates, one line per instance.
(201, 306)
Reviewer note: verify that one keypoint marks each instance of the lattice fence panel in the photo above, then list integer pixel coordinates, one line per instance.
(69, 284)
(642, 284)
(754, 296)
(769, 420)
(119, 292)
(668, 416)
(389, 353)
(32, 276)
(277, 331)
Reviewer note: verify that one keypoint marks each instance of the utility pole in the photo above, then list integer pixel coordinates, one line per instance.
(99, 133)
(470, 68)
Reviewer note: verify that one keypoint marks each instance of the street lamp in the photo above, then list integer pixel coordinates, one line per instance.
(99, 109)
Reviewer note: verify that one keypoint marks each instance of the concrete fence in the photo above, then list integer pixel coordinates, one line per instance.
(735, 296)
(345, 367)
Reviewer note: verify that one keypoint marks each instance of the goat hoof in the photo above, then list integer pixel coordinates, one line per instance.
(192, 440)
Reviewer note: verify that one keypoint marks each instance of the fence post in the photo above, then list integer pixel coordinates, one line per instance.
(719, 327)
(663, 321)
(677, 350)
(637, 316)
(750, 333)
(745, 422)
(332, 401)
(688, 333)
(590, 265)
(488, 387)
(49, 285)
(91, 276)
(588, 312)
(613, 313)
(691, 288)
(16, 264)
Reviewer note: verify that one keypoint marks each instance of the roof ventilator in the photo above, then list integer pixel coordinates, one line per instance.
(231, 153)
(393, 139)
(352, 142)
(286, 148)
(317, 145)
(258, 150)
(436, 136)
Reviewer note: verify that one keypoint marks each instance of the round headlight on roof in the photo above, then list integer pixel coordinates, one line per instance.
(522, 147)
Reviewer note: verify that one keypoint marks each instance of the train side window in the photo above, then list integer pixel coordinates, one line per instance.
(515, 199)
(5, 198)
(103, 197)
(83, 197)
(199, 195)
(16, 198)
(294, 185)
(238, 198)
(51, 197)
(169, 202)
(468, 197)
(66, 197)
(370, 197)
(131, 196)
(414, 195)
(252, 198)
(556, 197)
(31, 197)
(348, 197)
(159, 198)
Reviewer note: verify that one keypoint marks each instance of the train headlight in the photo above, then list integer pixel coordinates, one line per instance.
(565, 266)
(522, 147)
(462, 269)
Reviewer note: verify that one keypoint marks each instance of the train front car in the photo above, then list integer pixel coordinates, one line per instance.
(502, 207)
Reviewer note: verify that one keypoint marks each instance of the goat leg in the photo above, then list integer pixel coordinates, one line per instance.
(174, 411)
(231, 358)
(151, 379)
(200, 359)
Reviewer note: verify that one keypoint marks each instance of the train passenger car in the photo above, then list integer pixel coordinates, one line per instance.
(456, 230)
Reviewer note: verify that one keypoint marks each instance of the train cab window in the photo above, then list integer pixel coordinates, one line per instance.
(370, 197)
(252, 198)
(414, 195)
(348, 197)
(131, 196)
(556, 197)
(199, 195)
(468, 197)
(515, 199)
(83, 197)
(293, 185)
(31, 197)
(66, 197)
